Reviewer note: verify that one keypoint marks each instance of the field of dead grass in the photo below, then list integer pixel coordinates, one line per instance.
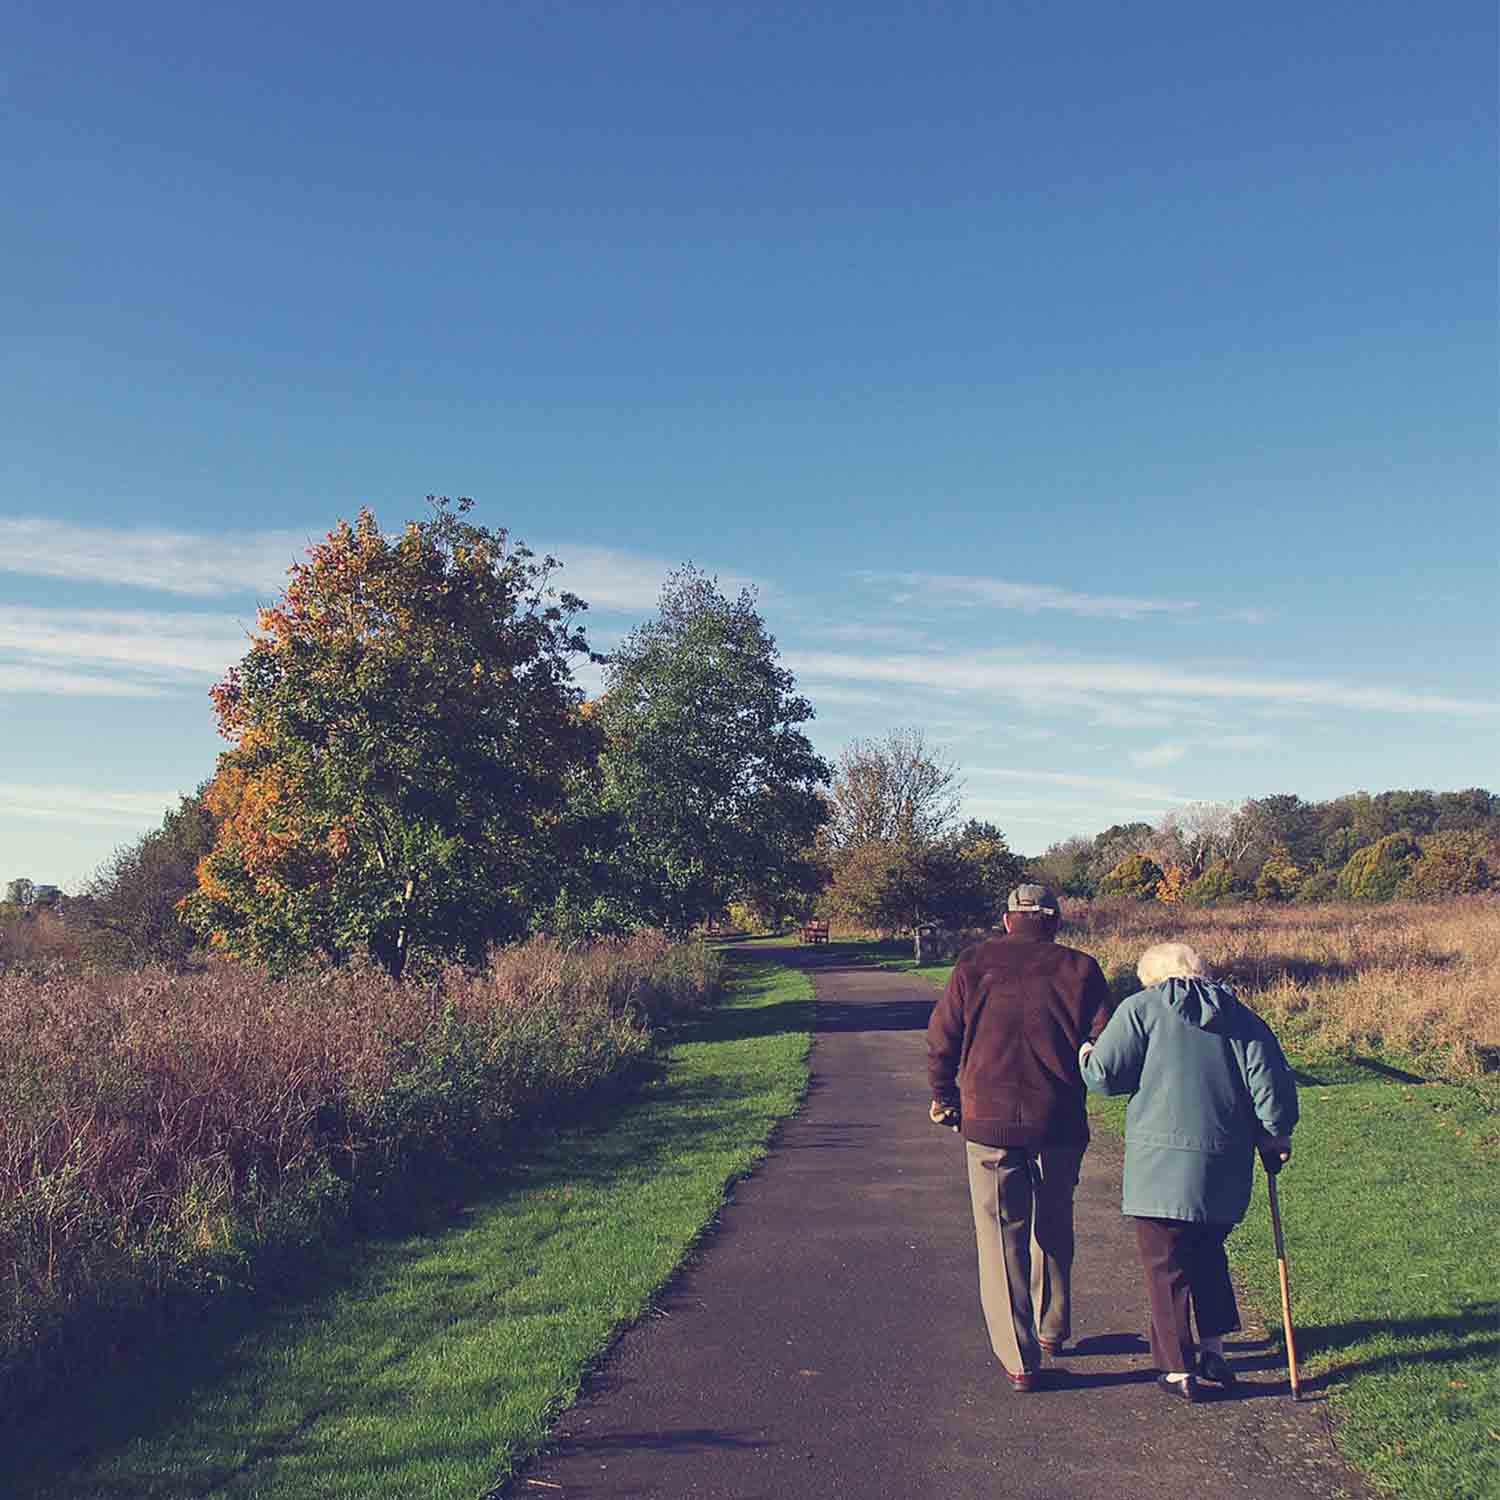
(171, 1133)
(1418, 979)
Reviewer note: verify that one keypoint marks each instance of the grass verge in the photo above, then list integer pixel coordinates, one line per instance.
(1391, 1214)
(432, 1366)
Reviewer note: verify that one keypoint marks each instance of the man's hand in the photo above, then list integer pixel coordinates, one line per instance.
(944, 1114)
(1275, 1152)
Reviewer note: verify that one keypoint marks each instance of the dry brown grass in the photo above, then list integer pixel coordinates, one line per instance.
(167, 1129)
(38, 938)
(1409, 978)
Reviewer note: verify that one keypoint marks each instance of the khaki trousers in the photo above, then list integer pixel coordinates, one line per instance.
(1023, 1225)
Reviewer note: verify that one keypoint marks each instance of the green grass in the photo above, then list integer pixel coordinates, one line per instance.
(1391, 1216)
(430, 1367)
(1391, 1213)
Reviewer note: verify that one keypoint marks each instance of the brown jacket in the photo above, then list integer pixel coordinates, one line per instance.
(1003, 1041)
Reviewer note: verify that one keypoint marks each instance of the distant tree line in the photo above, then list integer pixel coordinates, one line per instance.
(1417, 845)
(413, 773)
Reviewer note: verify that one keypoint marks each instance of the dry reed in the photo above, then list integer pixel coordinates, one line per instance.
(166, 1132)
(1416, 979)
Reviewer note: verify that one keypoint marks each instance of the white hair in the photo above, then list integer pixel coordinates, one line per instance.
(1170, 961)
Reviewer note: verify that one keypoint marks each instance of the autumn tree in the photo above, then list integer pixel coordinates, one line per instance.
(897, 886)
(401, 733)
(1192, 836)
(714, 787)
(1452, 863)
(895, 789)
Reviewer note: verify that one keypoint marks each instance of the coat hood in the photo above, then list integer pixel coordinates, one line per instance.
(1199, 1002)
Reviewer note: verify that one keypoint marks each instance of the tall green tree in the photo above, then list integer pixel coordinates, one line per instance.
(133, 903)
(992, 866)
(1375, 872)
(402, 732)
(714, 786)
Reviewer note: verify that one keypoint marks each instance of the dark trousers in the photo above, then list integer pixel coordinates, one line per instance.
(1184, 1260)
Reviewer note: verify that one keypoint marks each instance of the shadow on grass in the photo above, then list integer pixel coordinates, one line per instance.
(1469, 1334)
(207, 1361)
(1319, 1071)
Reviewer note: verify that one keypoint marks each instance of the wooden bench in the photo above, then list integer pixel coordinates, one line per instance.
(815, 932)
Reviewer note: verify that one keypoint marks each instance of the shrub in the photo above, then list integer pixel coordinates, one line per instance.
(1375, 872)
(1215, 884)
(165, 1135)
(1279, 878)
(1321, 885)
(1451, 864)
(1136, 875)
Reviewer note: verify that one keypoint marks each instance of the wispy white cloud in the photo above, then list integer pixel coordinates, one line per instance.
(151, 643)
(1113, 786)
(613, 578)
(608, 578)
(79, 804)
(905, 637)
(1030, 598)
(1090, 684)
(22, 678)
(202, 564)
(1249, 615)
(198, 564)
(1125, 716)
(1168, 753)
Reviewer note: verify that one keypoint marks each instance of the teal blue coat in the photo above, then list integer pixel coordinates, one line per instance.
(1206, 1077)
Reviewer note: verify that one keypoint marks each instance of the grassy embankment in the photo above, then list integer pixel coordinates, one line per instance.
(430, 1365)
(1392, 1204)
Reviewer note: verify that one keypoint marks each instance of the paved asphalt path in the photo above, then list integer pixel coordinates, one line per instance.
(827, 1339)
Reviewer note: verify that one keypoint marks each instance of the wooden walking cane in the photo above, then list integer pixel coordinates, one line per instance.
(1286, 1295)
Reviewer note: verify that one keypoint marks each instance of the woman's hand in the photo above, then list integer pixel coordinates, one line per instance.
(1275, 1152)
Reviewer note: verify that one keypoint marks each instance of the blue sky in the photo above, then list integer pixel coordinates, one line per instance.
(1108, 391)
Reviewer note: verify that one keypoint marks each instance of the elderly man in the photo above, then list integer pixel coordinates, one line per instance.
(1002, 1050)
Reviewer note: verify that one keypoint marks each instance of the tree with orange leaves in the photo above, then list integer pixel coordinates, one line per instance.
(402, 733)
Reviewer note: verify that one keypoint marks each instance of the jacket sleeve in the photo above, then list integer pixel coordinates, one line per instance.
(1114, 1066)
(1273, 1088)
(945, 1039)
(1098, 1003)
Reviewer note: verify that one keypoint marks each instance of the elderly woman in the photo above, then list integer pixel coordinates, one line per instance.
(1209, 1086)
